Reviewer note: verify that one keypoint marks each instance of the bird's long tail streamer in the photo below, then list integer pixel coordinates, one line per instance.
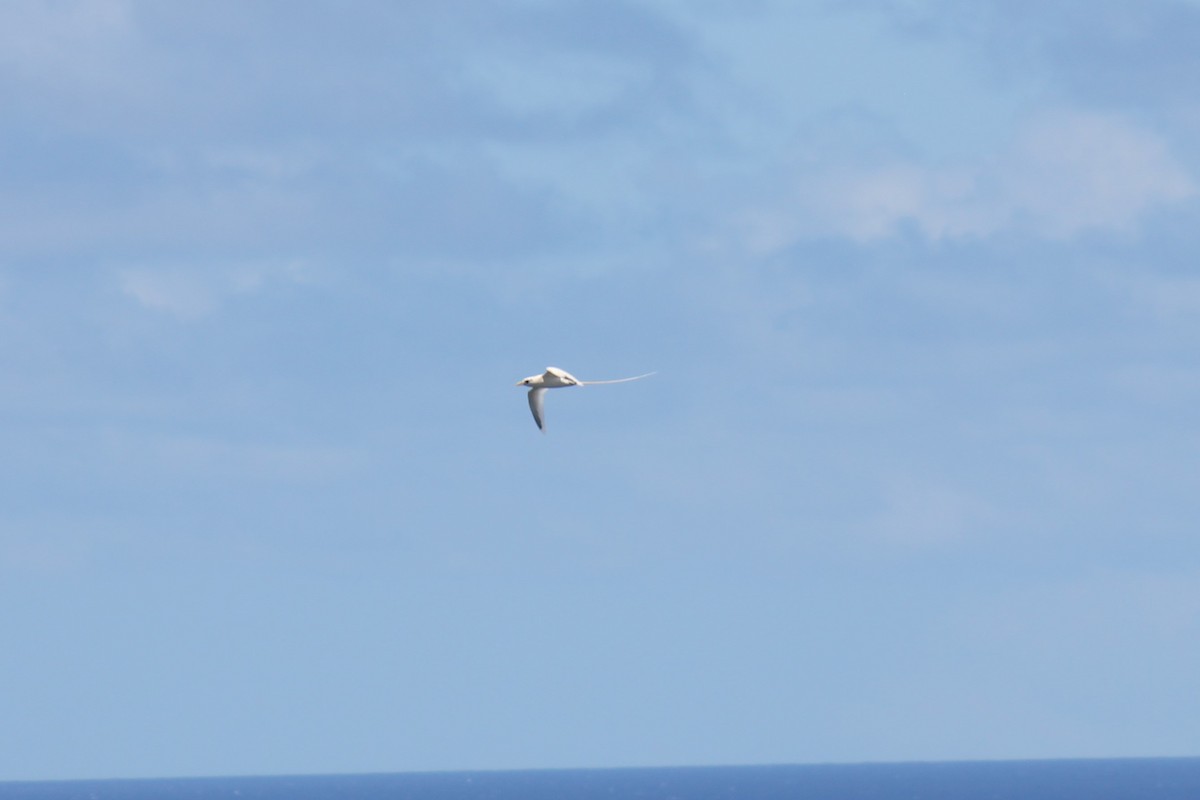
(619, 380)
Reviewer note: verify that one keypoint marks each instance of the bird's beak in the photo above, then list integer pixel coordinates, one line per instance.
(519, 383)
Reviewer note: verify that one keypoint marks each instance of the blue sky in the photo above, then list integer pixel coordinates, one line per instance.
(917, 479)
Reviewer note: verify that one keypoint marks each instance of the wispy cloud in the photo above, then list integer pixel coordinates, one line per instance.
(1072, 172)
(259, 461)
(1118, 53)
(69, 40)
(1065, 173)
(192, 293)
(921, 513)
(42, 548)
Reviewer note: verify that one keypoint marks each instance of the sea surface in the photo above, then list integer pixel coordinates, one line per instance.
(1144, 779)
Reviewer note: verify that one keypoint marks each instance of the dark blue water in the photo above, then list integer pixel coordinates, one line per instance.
(1144, 779)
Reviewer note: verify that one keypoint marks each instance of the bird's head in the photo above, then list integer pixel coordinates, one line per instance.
(532, 380)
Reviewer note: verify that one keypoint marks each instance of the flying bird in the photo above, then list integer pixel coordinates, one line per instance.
(555, 378)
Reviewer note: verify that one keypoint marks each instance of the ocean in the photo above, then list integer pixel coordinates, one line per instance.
(1100, 779)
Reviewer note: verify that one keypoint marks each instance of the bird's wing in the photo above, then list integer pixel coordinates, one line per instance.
(563, 377)
(536, 397)
(619, 380)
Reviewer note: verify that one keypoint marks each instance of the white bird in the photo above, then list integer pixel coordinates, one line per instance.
(555, 378)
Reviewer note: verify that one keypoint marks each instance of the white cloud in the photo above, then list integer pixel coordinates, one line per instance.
(1149, 610)
(1118, 53)
(1065, 173)
(193, 293)
(1072, 172)
(567, 85)
(179, 293)
(74, 39)
(276, 163)
(922, 513)
(1169, 299)
(196, 455)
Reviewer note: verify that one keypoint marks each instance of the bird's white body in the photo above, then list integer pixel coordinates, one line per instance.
(555, 378)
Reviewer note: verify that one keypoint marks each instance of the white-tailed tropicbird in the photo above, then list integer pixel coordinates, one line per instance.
(555, 378)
